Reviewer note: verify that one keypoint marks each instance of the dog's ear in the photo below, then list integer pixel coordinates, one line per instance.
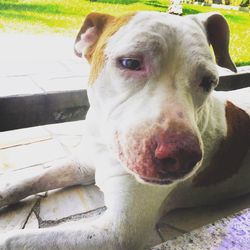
(92, 28)
(217, 32)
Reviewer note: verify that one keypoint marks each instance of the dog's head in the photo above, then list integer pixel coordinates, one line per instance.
(150, 75)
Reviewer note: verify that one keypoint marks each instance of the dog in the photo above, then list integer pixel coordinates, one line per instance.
(158, 136)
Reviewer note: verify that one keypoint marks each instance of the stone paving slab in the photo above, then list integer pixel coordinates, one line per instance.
(168, 232)
(154, 239)
(15, 68)
(23, 136)
(21, 85)
(23, 47)
(66, 83)
(67, 128)
(39, 55)
(244, 69)
(70, 201)
(32, 222)
(239, 97)
(230, 233)
(187, 219)
(15, 216)
(24, 156)
(78, 66)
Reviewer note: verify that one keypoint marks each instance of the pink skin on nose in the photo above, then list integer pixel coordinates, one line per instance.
(160, 157)
(178, 153)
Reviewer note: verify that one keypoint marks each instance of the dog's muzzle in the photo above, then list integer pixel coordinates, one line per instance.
(161, 158)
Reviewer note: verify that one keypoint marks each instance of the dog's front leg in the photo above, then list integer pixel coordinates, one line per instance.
(93, 236)
(132, 211)
(17, 185)
(77, 168)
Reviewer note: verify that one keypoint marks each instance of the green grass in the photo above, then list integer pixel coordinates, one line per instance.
(65, 17)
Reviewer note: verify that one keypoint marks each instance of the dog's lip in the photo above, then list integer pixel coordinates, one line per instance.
(156, 180)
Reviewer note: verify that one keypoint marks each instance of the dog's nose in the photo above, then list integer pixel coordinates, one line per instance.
(177, 154)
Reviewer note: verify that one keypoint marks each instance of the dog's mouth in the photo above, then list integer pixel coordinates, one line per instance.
(164, 180)
(161, 158)
(156, 180)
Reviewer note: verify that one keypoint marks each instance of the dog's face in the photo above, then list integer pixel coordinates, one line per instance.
(151, 74)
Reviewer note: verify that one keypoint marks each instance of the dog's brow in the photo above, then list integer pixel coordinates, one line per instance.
(140, 47)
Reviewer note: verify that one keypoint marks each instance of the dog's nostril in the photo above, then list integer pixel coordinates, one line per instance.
(176, 154)
(168, 165)
(169, 161)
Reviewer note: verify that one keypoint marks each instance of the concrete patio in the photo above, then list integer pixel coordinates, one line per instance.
(32, 67)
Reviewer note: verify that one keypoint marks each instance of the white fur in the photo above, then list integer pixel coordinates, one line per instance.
(176, 49)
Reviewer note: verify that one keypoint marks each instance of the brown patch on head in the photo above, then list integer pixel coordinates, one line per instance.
(228, 160)
(105, 26)
(98, 21)
(98, 58)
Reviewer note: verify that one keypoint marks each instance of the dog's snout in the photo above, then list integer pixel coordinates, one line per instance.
(163, 155)
(177, 154)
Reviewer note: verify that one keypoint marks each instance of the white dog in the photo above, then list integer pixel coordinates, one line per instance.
(157, 135)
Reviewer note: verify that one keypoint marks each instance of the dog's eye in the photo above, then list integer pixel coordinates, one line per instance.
(130, 63)
(207, 83)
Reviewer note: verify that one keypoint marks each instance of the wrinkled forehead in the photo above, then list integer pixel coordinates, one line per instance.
(156, 32)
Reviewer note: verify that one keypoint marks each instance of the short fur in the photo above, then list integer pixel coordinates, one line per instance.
(142, 128)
